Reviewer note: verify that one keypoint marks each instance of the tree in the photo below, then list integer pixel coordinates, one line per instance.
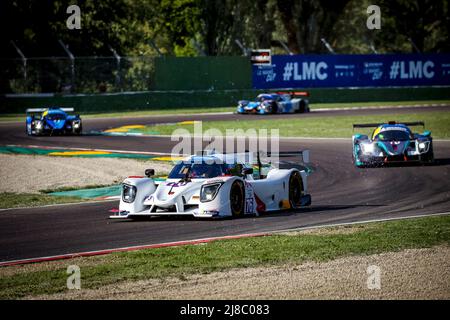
(307, 21)
(425, 22)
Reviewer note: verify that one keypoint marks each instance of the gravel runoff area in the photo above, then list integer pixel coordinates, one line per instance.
(30, 173)
(408, 274)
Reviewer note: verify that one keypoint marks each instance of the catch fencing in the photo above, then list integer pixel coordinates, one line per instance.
(78, 75)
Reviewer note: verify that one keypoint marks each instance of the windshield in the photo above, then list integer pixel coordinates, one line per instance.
(264, 97)
(55, 117)
(198, 170)
(396, 135)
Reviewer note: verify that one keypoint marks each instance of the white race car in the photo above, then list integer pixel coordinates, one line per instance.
(215, 185)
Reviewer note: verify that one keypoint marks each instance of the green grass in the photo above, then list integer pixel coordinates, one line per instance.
(64, 189)
(177, 111)
(143, 113)
(334, 126)
(19, 200)
(375, 104)
(223, 255)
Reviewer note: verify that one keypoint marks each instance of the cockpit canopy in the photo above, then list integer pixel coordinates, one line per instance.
(203, 170)
(392, 133)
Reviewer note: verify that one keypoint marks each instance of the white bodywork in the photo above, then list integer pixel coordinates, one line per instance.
(179, 197)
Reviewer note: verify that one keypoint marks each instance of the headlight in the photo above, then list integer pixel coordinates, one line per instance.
(128, 193)
(76, 124)
(208, 192)
(423, 146)
(368, 148)
(38, 124)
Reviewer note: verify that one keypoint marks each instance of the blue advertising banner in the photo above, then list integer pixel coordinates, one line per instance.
(373, 70)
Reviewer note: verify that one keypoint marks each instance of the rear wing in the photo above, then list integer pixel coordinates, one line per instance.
(372, 125)
(249, 157)
(40, 110)
(303, 154)
(35, 110)
(243, 157)
(296, 93)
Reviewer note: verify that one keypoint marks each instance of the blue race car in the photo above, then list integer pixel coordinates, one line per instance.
(51, 121)
(392, 142)
(279, 102)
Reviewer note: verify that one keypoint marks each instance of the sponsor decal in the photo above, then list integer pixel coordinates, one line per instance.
(341, 70)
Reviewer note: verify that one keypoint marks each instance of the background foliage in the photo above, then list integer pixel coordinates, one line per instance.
(197, 27)
(139, 30)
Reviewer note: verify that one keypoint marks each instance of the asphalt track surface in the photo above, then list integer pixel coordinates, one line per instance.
(340, 192)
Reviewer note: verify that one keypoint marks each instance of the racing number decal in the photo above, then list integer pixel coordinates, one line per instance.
(249, 202)
(249, 205)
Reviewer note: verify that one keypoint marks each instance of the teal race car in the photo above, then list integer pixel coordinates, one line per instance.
(392, 142)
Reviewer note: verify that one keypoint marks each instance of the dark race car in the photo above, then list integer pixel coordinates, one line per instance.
(279, 102)
(51, 121)
(392, 142)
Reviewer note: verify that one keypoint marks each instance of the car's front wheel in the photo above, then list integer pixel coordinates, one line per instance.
(428, 158)
(237, 199)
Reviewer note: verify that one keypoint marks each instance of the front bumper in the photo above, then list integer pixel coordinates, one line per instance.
(193, 213)
(381, 160)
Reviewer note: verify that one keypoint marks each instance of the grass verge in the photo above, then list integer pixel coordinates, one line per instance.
(143, 113)
(333, 126)
(48, 278)
(186, 111)
(376, 104)
(10, 200)
(64, 189)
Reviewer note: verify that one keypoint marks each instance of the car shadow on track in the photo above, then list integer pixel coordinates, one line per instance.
(441, 162)
(435, 163)
(282, 213)
(317, 209)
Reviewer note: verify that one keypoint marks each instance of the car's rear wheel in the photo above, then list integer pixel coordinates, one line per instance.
(237, 199)
(295, 189)
(274, 108)
(302, 107)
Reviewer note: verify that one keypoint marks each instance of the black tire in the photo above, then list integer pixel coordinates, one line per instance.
(295, 189)
(77, 132)
(429, 157)
(301, 107)
(274, 108)
(237, 199)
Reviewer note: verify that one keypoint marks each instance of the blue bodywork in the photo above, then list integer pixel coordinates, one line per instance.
(53, 120)
(258, 106)
(392, 142)
(270, 103)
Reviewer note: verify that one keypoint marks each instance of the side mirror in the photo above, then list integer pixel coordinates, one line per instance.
(149, 172)
(247, 171)
(426, 133)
